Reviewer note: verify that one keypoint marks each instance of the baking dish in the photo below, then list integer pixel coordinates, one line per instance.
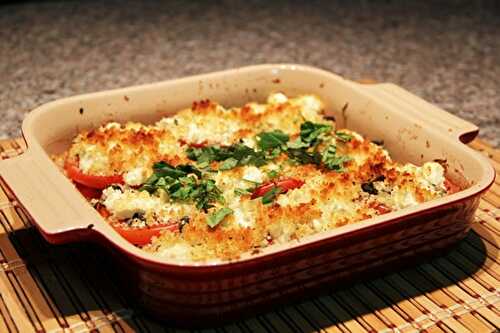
(200, 293)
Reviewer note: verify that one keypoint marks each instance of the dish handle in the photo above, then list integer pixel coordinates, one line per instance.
(413, 105)
(41, 191)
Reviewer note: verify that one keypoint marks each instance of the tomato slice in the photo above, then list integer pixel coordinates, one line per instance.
(451, 187)
(285, 184)
(96, 182)
(381, 208)
(88, 192)
(143, 236)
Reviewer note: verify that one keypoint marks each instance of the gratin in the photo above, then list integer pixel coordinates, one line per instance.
(213, 182)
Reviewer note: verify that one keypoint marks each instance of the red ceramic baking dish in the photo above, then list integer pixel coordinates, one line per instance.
(195, 293)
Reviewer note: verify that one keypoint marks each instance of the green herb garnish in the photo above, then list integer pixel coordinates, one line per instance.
(183, 183)
(331, 160)
(273, 174)
(270, 195)
(242, 191)
(344, 137)
(213, 219)
(232, 156)
(297, 144)
(228, 164)
(311, 132)
(272, 140)
(302, 156)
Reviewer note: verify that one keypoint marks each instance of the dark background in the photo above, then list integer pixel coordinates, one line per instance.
(448, 52)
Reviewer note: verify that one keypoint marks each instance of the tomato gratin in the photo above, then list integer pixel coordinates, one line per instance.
(214, 182)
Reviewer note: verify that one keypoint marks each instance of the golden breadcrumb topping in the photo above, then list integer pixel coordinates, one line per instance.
(232, 181)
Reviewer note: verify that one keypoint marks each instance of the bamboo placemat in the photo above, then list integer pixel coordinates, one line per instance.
(71, 288)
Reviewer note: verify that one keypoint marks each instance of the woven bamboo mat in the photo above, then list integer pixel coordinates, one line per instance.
(71, 288)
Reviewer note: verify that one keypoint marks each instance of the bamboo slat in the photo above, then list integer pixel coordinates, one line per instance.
(71, 288)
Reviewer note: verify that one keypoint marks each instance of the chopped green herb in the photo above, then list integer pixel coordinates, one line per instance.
(163, 169)
(242, 191)
(344, 137)
(331, 160)
(302, 156)
(215, 218)
(273, 174)
(251, 181)
(270, 195)
(271, 140)
(329, 153)
(232, 156)
(297, 144)
(183, 183)
(311, 132)
(228, 164)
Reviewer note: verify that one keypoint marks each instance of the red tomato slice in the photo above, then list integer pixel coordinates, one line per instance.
(285, 184)
(450, 187)
(88, 192)
(143, 236)
(381, 208)
(97, 182)
(103, 211)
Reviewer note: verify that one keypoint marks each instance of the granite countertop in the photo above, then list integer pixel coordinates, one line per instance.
(446, 52)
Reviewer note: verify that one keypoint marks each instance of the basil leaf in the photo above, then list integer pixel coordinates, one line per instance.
(184, 183)
(273, 174)
(242, 191)
(344, 137)
(270, 140)
(163, 169)
(302, 156)
(228, 164)
(310, 132)
(237, 154)
(215, 218)
(189, 169)
(329, 153)
(331, 160)
(270, 195)
(297, 144)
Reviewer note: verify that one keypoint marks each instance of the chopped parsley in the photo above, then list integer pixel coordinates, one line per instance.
(213, 219)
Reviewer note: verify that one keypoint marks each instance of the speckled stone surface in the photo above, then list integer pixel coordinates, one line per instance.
(448, 52)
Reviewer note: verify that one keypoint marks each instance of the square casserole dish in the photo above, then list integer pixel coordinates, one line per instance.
(192, 293)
